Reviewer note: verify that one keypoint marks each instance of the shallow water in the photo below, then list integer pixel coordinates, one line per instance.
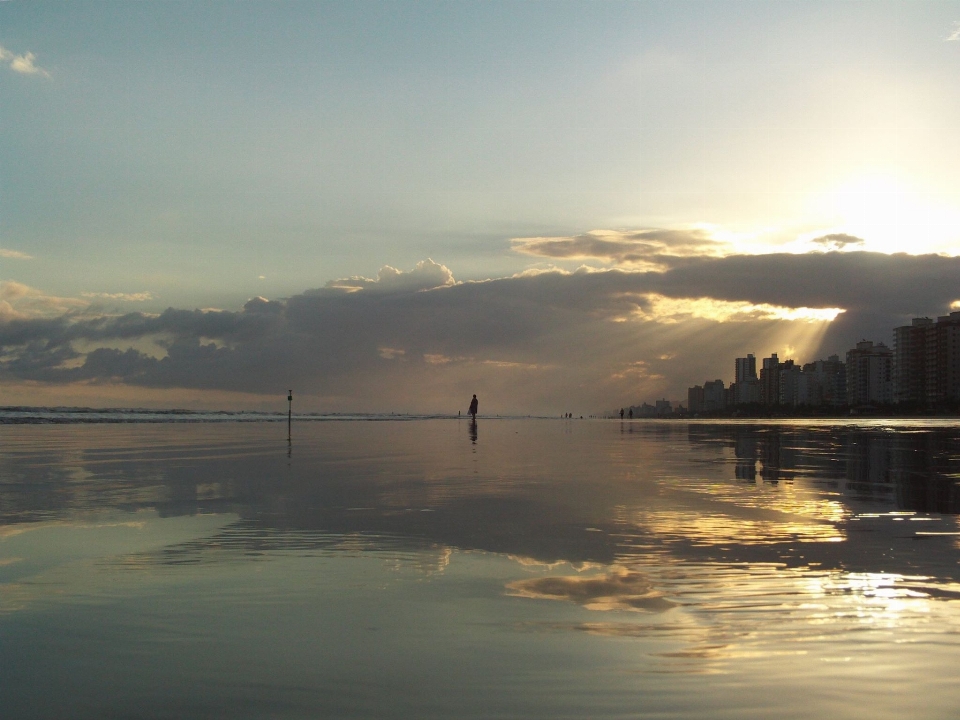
(516, 568)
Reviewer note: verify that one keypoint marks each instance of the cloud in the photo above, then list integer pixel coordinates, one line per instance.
(955, 35)
(649, 248)
(545, 341)
(427, 275)
(838, 241)
(14, 254)
(124, 297)
(22, 302)
(23, 64)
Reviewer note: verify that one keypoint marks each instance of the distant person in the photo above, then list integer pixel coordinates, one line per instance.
(473, 407)
(621, 413)
(631, 413)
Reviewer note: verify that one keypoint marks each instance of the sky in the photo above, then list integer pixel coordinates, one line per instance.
(388, 207)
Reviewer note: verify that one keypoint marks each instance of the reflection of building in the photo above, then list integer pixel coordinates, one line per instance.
(869, 374)
(914, 471)
(927, 361)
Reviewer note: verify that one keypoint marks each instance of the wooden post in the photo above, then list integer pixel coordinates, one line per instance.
(289, 414)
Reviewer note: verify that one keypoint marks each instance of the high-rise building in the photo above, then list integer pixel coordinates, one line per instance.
(714, 395)
(746, 368)
(869, 374)
(823, 382)
(788, 386)
(695, 399)
(770, 380)
(910, 361)
(746, 388)
(927, 361)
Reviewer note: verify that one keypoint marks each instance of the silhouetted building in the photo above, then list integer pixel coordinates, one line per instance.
(695, 398)
(746, 386)
(926, 362)
(869, 374)
(714, 396)
(789, 383)
(823, 382)
(910, 352)
(770, 380)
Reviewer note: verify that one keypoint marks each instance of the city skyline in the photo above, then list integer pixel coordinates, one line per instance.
(391, 207)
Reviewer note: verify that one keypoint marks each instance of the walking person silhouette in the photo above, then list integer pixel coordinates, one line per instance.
(473, 407)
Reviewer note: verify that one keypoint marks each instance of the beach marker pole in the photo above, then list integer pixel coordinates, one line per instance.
(289, 414)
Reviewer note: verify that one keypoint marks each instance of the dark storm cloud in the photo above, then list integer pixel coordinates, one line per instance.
(360, 338)
(878, 291)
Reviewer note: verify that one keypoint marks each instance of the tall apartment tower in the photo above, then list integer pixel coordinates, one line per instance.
(947, 386)
(746, 368)
(910, 350)
(869, 374)
(926, 362)
(770, 380)
(746, 388)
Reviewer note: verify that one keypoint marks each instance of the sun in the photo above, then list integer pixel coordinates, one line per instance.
(891, 216)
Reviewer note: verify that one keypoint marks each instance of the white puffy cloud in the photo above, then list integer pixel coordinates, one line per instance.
(427, 275)
(24, 64)
(22, 302)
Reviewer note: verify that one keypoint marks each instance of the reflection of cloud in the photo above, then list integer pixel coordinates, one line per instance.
(620, 589)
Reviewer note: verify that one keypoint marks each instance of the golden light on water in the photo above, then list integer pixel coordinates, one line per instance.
(705, 529)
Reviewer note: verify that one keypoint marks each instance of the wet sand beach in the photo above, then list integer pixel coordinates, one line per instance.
(512, 568)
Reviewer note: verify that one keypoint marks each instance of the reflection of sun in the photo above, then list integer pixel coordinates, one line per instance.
(891, 216)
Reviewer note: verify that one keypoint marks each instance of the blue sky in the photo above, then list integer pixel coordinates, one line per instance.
(196, 155)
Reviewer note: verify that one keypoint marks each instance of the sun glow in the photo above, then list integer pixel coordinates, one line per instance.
(890, 216)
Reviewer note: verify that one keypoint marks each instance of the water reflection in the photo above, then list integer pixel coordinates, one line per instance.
(709, 546)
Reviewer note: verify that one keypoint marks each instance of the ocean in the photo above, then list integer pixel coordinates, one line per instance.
(180, 565)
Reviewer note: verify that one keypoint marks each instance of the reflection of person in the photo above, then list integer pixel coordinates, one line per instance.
(473, 407)
(473, 431)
